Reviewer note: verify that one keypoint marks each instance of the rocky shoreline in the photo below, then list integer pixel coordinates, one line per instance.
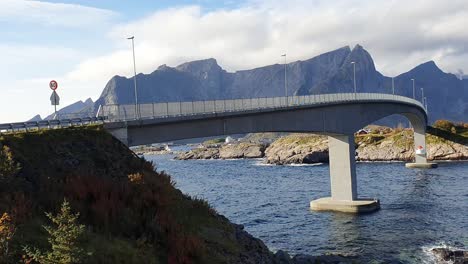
(243, 150)
(383, 145)
(448, 255)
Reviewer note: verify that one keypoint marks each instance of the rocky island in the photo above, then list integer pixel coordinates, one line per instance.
(445, 141)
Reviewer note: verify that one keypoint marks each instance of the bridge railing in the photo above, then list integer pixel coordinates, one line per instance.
(158, 110)
(53, 123)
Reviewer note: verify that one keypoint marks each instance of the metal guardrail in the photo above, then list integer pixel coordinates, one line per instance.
(110, 113)
(125, 112)
(51, 123)
(77, 115)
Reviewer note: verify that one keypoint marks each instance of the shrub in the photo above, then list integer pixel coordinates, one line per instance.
(443, 124)
(8, 167)
(64, 238)
(7, 230)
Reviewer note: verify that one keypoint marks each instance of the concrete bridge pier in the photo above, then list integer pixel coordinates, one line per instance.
(420, 155)
(344, 197)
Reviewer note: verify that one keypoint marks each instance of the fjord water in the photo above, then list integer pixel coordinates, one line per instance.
(420, 208)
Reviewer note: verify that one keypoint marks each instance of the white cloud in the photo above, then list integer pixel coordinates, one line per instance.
(53, 14)
(398, 34)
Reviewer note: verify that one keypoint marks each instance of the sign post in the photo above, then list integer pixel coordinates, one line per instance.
(54, 98)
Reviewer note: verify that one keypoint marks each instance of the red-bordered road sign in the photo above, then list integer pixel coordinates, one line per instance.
(53, 85)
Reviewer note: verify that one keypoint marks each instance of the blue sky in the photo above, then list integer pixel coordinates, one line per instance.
(132, 9)
(82, 43)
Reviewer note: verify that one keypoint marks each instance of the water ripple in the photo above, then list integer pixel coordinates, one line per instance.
(420, 208)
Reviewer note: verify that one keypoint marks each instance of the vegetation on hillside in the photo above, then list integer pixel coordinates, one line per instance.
(441, 131)
(132, 214)
(214, 141)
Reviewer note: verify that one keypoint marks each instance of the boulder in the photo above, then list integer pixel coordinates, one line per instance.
(444, 255)
(299, 148)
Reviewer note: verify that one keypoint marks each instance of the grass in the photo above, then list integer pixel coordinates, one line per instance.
(132, 213)
(300, 139)
(215, 141)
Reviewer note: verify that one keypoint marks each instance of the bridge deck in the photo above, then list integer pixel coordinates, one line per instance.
(129, 112)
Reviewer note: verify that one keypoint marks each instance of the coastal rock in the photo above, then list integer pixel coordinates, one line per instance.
(393, 145)
(299, 148)
(447, 151)
(199, 153)
(383, 152)
(242, 150)
(226, 151)
(446, 255)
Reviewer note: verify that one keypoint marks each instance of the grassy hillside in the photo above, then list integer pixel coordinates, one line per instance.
(132, 214)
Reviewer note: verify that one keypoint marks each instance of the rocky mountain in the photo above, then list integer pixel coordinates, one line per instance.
(76, 109)
(35, 118)
(327, 73)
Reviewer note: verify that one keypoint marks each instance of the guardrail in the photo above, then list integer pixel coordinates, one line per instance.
(51, 123)
(118, 112)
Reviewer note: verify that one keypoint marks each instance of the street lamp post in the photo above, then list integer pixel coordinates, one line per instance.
(393, 85)
(285, 79)
(137, 112)
(414, 91)
(422, 95)
(354, 78)
(425, 104)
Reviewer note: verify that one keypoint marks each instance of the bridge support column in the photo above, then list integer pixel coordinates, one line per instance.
(343, 180)
(420, 156)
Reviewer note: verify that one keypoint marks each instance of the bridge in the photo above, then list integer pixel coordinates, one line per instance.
(337, 115)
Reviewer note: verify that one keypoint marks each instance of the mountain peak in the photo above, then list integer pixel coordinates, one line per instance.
(88, 101)
(199, 64)
(362, 58)
(358, 47)
(35, 118)
(163, 67)
(429, 66)
(201, 68)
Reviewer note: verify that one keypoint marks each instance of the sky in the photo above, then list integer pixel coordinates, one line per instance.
(82, 43)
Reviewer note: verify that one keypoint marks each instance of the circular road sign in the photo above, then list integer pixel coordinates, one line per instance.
(53, 85)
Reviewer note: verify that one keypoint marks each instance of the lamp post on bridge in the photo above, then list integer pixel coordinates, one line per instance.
(422, 95)
(393, 85)
(137, 112)
(425, 104)
(285, 80)
(414, 90)
(354, 78)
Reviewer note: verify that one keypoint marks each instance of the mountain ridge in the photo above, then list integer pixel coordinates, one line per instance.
(330, 72)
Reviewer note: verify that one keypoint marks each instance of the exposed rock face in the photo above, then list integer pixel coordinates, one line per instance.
(388, 150)
(445, 255)
(225, 151)
(200, 153)
(448, 151)
(309, 149)
(242, 150)
(298, 149)
(395, 147)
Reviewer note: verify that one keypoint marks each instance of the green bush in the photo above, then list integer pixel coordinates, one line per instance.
(444, 125)
(64, 237)
(8, 167)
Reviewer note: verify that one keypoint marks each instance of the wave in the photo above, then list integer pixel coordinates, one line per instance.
(304, 164)
(260, 163)
(430, 258)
